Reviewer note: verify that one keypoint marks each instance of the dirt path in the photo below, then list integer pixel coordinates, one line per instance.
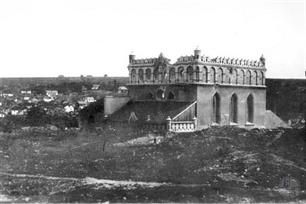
(89, 180)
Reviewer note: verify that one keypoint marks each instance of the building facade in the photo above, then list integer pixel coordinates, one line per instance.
(206, 91)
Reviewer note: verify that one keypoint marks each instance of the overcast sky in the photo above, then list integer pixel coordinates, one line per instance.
(95, 37)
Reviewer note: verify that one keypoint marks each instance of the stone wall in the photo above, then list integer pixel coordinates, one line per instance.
(205, 95)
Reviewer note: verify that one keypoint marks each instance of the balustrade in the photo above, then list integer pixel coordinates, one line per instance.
(182, 126)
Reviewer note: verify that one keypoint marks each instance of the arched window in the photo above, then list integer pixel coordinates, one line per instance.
(234, 109)
(212, 75)
(155, 74)
(170, 95)
(234, 77)
(140, 75)
(216, 109)
(250, 109)
(181, 74)
(263, 78)
(259, 78)
(220, 75)
(172, 75)
(148, 74)
(160, 94)
(197, 74)
(243, 76)
(189, 74)
(248, 78)
(133, 75)
(256, 78)
(205, 76)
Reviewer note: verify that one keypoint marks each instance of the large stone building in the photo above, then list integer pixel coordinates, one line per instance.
(193, 93)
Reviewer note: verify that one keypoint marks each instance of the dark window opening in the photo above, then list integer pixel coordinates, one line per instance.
(213, 75)
(189, 74)
(197, 72)
(216, 109)
(140, 75)
(181, 74)
(172, 75)
(234, 109)
(250, 109)
(155, 74)
(170, 96)
(205, 76)
(148, 74)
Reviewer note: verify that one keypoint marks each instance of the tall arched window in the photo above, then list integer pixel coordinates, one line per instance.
(171, 95)
(220, 75)
(243, 76)
(212, 75)
(133, 75)
(172, 74)
(263, 78)
(216, 109)
(234, 109)
(205, 75)
(148, 74)
(189, 74)
(259, 78)
(250, 109)
(197, 74)
(256, 78)
(248, 78)
(155, 74)
(140, 75)
(181, 74)
(239, 76)
(235, 76)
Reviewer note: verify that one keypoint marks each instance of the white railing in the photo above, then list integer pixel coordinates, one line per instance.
(181, 126)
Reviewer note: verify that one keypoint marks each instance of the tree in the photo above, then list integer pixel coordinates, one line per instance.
(37, 116)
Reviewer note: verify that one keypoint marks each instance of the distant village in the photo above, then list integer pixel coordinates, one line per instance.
(63, 99)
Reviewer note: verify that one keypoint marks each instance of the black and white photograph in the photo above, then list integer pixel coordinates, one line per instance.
(152, 101)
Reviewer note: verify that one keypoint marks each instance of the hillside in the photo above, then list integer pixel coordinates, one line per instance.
(225, 164)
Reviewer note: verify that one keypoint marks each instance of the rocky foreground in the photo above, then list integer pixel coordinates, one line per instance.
(222, 164)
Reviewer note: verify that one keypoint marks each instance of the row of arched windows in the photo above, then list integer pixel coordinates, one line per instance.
(207, 75)
(216, 115)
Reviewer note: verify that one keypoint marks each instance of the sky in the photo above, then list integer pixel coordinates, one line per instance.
(47, 38)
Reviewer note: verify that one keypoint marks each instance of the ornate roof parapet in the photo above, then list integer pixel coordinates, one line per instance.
(148, 61)
(186, 59)
(222, 61)
(144, 61)
(191, 59)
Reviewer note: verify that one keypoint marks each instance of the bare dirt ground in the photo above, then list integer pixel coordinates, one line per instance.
(223, 164)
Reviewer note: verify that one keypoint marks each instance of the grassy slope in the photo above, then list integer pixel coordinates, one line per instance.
(244, 159)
